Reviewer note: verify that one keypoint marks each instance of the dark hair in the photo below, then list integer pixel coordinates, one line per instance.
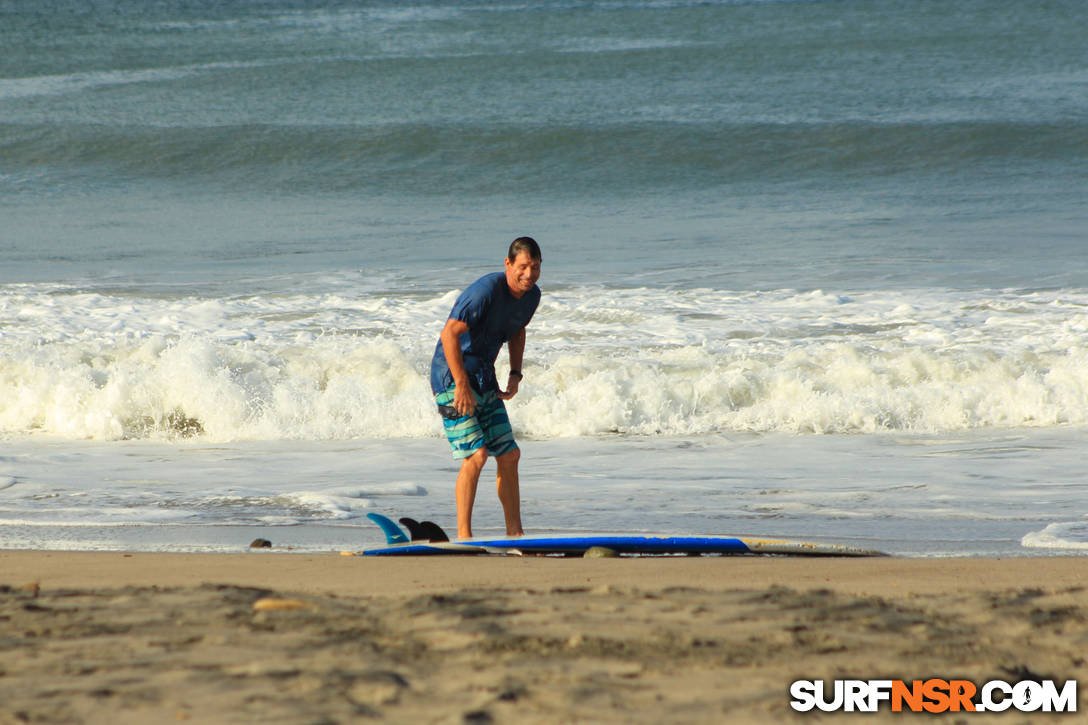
(524, 244)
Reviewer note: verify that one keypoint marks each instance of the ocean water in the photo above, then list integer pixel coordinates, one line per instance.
(811, 269)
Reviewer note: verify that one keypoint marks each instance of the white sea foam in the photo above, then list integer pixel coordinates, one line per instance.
(84, 364)
(62, 84)
(52, 85)
(1067, 535)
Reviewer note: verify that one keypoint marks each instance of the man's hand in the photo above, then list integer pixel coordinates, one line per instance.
(512, 384)
(464, 400)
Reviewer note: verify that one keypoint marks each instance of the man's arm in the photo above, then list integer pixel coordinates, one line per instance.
(463, 398)
(516, 347)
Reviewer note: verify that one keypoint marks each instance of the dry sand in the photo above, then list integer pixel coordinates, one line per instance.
(288, 638)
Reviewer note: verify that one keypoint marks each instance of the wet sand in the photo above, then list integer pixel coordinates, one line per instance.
(288, 638)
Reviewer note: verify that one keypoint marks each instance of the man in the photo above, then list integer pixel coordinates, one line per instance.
(494, 310)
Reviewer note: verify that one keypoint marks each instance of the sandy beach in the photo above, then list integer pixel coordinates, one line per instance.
(289, 638)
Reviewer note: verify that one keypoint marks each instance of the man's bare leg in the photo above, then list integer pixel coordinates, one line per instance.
(467, 478)
(509, 490)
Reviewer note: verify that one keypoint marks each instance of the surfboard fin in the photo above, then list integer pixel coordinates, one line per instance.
(393, 534)
(414, 529)
(424, 530)
(433, 531)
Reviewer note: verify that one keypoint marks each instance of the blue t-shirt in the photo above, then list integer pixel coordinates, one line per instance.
(493, 316)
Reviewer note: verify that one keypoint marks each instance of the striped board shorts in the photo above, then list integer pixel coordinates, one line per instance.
(488, 426)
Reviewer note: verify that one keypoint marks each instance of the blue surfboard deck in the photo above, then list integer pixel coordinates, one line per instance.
(623, 544)
(398, 544)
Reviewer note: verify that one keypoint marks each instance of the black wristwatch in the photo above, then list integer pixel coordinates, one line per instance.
(518, 373)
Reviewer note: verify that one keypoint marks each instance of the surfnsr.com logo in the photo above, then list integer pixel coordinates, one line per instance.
(933, 695)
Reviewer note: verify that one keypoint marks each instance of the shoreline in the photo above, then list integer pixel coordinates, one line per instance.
(115, 637)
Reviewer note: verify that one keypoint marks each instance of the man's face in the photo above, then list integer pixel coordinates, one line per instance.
(522, 273)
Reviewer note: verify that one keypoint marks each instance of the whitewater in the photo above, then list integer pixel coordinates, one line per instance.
(346, 364)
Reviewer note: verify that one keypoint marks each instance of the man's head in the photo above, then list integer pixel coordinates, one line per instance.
(524, 244)
(522, 265)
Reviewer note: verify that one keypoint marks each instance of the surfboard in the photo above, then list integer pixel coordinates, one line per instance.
(398, 544)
